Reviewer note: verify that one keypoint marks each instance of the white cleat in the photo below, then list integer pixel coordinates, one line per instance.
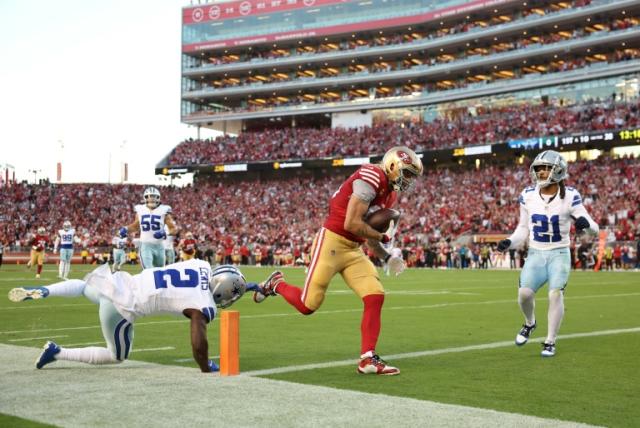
(548, 349)
(523, 335)
(27, 293)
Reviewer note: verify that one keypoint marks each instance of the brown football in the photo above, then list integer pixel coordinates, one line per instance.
(379, 220)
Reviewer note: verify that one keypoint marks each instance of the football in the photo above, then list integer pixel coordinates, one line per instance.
(380, 219)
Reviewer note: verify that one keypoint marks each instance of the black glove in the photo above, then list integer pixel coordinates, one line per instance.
(581, 223)
(504, 245)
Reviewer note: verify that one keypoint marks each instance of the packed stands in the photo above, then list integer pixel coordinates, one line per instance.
(455, 129)
(286, 213)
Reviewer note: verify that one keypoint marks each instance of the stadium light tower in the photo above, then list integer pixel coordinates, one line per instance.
(35, 175)
(124, 166)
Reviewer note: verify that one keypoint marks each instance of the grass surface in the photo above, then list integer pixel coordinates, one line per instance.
(591, 380)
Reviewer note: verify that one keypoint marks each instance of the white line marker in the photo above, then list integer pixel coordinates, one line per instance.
(341, 311)
(164, 348)
(37, 338)
(479, 347)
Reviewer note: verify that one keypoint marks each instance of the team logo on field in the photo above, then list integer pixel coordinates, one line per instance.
(404, 157)
(245, 8)
(214, 12)
(197, 14)
(308, 2)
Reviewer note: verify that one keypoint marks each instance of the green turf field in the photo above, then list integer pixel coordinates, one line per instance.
(450, 332)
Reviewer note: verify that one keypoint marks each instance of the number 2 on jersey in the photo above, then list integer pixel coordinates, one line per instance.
(541, 228)
(175, 280)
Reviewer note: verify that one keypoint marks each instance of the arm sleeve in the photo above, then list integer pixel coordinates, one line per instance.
(364, 190)
(521, 233)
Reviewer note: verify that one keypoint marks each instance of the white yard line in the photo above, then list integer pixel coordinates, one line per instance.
(393, 357)
(25, 339)
(357, 310)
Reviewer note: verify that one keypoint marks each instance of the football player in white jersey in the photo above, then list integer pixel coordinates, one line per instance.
(169, 249)
(189, 289)
(151, 218)
(64, 241)
(119, 252)
(546, 212)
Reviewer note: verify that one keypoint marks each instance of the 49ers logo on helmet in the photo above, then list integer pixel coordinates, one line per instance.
(404, 157)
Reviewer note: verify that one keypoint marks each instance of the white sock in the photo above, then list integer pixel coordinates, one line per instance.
(527, 301)
(555, 315)
(89, 355)
(67, 268)
(61, 268)
(68, 288)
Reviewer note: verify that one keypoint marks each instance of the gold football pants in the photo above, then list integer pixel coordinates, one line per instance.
(332, 254)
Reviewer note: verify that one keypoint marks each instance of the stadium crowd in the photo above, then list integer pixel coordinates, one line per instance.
(278, 218)
(482, 126)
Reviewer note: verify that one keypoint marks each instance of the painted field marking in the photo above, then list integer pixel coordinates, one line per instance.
(358, 310)
(37, 338)
(479, 347)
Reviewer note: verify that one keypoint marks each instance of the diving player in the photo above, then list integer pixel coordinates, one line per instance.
(189, 288)
(64, 241)
(546, 212)
(150, 220)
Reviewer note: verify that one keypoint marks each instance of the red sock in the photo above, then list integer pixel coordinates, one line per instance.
(39, 269)
(371, 321)
(293, 294)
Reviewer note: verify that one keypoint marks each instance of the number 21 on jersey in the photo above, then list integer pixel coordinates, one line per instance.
(541, 225)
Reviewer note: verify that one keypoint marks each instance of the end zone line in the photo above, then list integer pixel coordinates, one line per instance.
(484, 346)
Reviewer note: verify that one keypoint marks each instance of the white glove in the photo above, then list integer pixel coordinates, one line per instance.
(395, 265)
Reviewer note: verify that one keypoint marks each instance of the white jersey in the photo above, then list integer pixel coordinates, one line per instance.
(546, 220)
(65, 238)
(169, 240)
(166, 290)
(151, 221)
(119, 243)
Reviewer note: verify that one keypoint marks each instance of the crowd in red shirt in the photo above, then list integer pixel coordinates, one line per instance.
(484, 126)
(283, 215)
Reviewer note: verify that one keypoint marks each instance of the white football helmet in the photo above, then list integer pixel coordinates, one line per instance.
(66, 225)
(555, 161)
(402, 166)
(151, 197)
(227, 285)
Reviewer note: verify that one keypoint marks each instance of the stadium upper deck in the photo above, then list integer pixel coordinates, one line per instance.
(327, 62)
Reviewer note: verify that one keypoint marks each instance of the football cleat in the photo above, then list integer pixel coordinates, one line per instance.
(27, 293)
(48, 355)
(267, 287)
(523, 335)
(371, 363)
(548, 349)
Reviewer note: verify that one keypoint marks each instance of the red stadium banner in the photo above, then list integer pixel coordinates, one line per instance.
(335, 29)
(602, 242)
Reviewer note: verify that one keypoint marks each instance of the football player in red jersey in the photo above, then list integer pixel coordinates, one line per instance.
(38, 245)
(337, 249)
(188, 247)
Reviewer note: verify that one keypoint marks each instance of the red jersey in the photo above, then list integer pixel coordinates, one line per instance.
(385, 198)
(189, 246)
(39, 242)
